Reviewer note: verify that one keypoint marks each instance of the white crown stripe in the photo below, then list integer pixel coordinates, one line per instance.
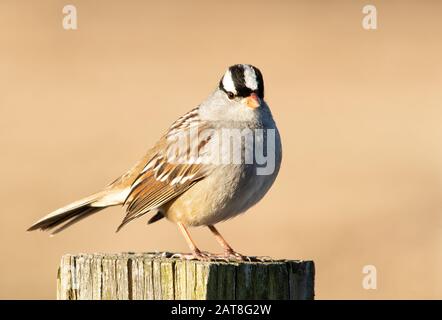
(228, 83)
(250, 77)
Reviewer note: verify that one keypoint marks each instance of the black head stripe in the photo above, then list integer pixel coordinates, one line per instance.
(260, 80)
(237, 72)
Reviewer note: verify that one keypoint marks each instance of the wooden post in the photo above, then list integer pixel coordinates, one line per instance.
(156, 276)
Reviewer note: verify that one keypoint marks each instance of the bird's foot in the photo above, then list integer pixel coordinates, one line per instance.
(263, 259)
(227, 256)
(196, 255)
(235, 256)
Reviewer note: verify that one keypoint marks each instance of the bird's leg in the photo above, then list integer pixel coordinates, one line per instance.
(196, 253)
(228, 250)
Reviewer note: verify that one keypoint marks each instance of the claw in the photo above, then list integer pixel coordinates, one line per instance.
(197, 255)
(233, 255)
(264, 259)
(227, 256)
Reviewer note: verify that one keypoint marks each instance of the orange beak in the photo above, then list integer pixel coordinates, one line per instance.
(252, 101)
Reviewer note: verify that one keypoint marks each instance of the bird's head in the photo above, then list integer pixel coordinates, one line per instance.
(243, 83)
(239, 95)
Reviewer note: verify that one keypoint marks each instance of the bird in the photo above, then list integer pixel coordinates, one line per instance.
(191, 176)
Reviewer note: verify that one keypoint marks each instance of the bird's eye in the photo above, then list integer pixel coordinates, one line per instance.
(230, 95)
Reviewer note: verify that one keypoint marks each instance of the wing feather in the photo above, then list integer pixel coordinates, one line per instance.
(160, 180)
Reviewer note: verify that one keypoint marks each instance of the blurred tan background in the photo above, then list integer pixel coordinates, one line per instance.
(359, 111)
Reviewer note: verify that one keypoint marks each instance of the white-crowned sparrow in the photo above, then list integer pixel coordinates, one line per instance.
(196, 174)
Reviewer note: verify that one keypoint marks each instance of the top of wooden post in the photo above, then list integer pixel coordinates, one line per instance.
(158, 275)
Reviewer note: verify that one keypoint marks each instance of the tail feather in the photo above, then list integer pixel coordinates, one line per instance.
(74, 212)
(75, 218)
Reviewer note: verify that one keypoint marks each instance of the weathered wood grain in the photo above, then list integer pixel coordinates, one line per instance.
(157, 276)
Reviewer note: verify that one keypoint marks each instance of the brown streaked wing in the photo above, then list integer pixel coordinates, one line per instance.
(161, 181)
